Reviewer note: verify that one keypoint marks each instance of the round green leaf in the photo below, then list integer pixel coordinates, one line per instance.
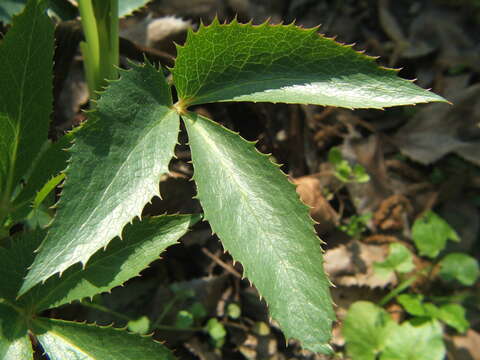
(460, 267)
(430, 234)
(400, 259)
(408, 342)
(366, 329)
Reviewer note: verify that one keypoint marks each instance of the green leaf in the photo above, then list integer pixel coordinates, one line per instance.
(51, 161)
(284, 63)
(460, 267)
(234, 311)
(451, 314)
(184, 319)
(217, 332)
(408, 342)
(14, 341)
(127, 7)
(454, 315)
(74, 341)
(360, 174)
(414, 305)
(140, 326)
(123, 259)
(26, 55)
(115, 168)
(400, 259)
(260, 220)
(430, 234)
(366, 329)
(15, 260)
(47, 189)
(335, 156)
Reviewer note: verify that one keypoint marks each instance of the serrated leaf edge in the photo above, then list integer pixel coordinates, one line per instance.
(216, 23)
(305, 208)
(57, 205)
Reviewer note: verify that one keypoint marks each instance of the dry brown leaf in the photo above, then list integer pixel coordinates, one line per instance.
(440, 129)
(368, 152)
(392, 213)
(465, 347)
(352, 265)
(309, 188)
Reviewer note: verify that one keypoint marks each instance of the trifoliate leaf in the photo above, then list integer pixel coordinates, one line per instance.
(68, 340)
(284, 63)
(460, 267)
(26, 55)
(115, 168)
(400, 259)
(123, 259)
(260, 220)
(14, 341)
(408, 342)
(430, 234)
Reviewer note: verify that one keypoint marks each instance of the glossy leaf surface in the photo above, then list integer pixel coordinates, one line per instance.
(284, 64)
(116, 163)
(74, 341)
(123, 259)
(260, 220)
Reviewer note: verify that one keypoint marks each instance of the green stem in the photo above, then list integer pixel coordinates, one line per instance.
(127, 318)
(101, 49)
(91, 48)
(173, 328)
(402, 286)
(106, 310)
(166, 309)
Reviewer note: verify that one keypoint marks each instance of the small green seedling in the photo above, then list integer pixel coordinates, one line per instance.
(356, 225)
(344, 171)
(371, 333)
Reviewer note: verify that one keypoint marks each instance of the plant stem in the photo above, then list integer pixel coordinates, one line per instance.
(101, 49)
(402, 286)
(127, 318)
(106, 310)
(91, 48)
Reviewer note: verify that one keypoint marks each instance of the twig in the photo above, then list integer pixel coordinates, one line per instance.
(223, 264)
